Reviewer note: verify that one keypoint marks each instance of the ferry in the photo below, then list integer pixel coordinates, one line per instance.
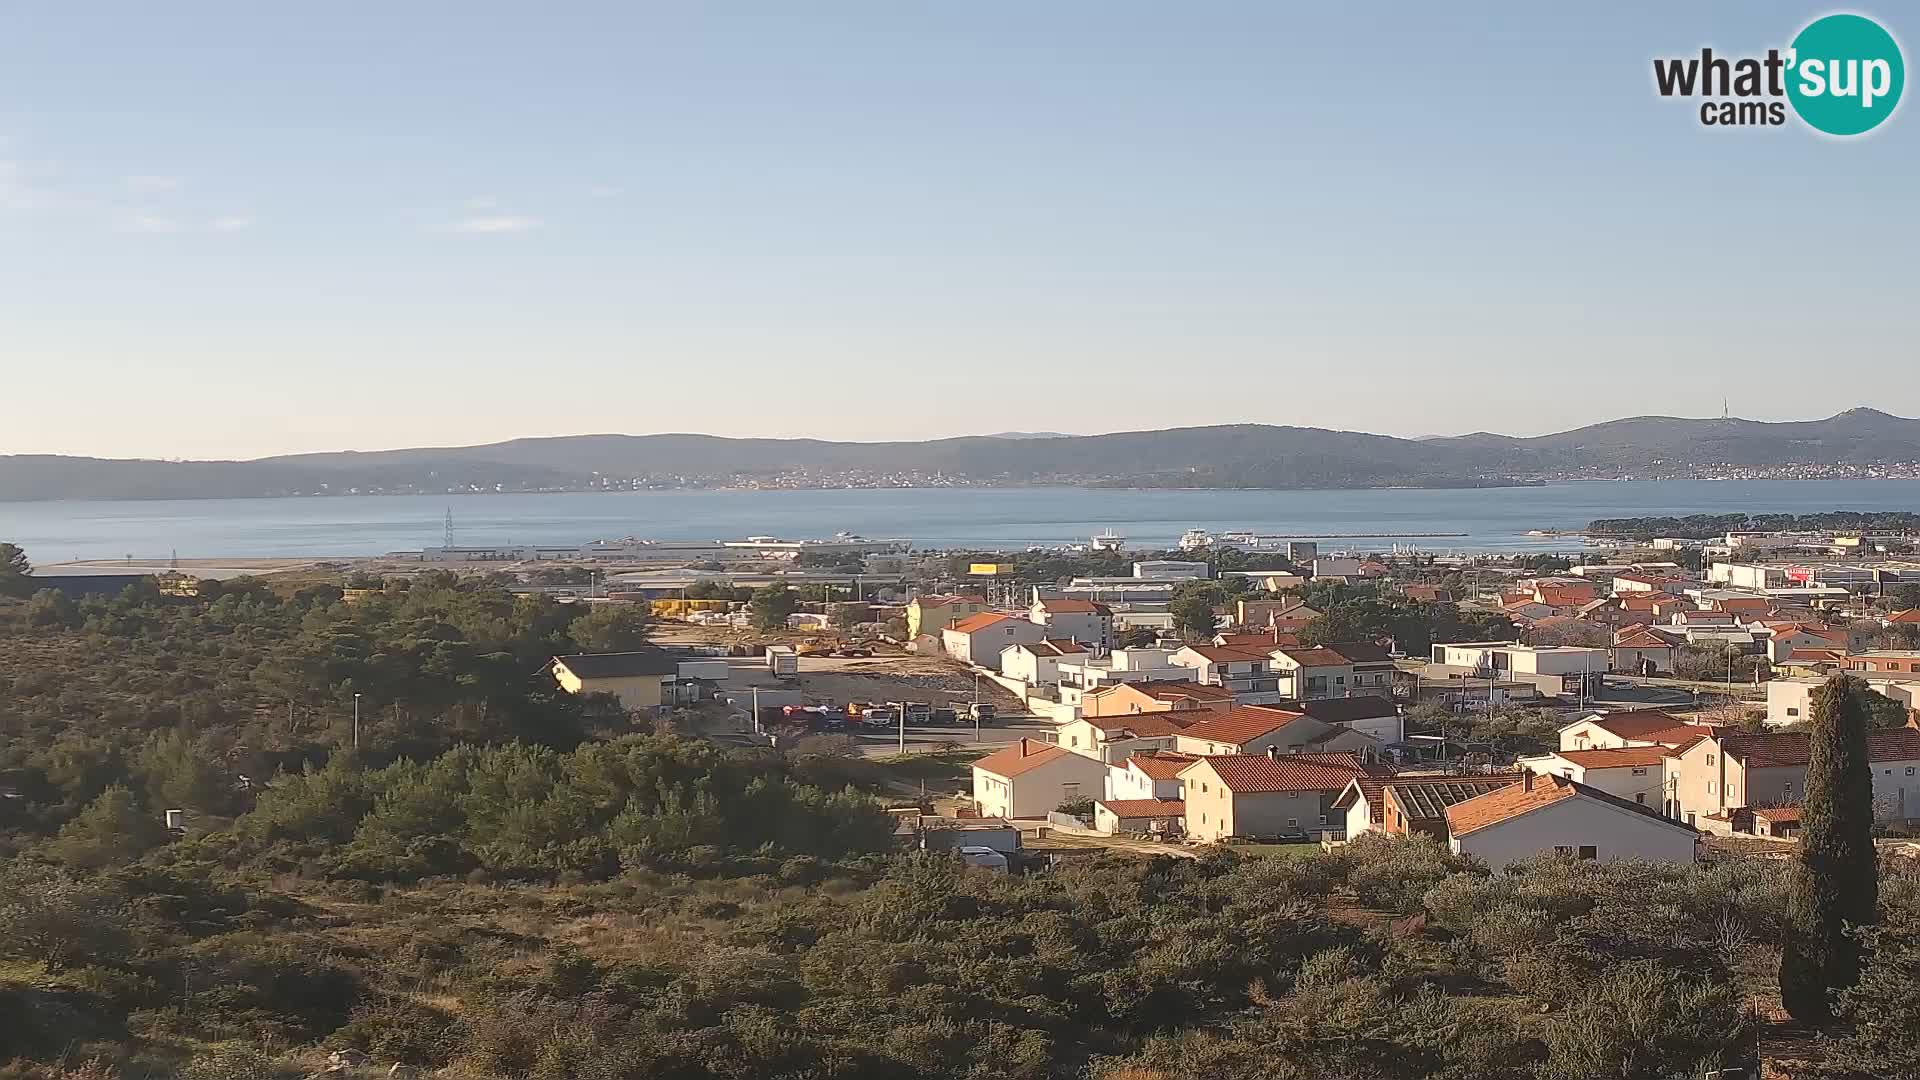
(1109, 541)
(1196, 540)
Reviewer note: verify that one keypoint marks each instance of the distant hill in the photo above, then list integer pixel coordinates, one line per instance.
(1226, 456)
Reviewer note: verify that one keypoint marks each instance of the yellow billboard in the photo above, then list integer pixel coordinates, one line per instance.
(990, 569)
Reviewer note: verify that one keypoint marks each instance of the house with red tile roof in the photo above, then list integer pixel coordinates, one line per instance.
(1552, 815)
(1730, 770)
(1629, 727)
(1641, 651)
(1087, 621)
(1154, 695)
(1903, 617)
(1166, 817)
(1247, 672)
(935, 612)
(1037, 663)
(1255, 729)
(1148, 774)
(1266, 796)
(1112, 738)
(1031, 779)
(1637, 774)
(978, 639)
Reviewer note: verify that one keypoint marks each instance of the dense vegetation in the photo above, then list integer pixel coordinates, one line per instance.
(503, 882)
(1705, 526)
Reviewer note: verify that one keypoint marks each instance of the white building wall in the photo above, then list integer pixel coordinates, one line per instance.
(1615, 832)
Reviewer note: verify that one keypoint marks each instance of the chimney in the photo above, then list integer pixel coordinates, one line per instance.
(1526, 779)
(1273, 752)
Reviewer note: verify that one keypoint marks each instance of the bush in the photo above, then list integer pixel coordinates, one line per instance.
(1394, 873)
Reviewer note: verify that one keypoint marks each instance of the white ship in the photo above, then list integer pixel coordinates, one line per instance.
(1109, 541)
(1196, 540)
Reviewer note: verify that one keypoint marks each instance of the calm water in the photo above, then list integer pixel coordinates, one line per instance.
(1492, 519)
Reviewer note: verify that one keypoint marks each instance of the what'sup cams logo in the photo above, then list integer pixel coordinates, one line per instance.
(1842, 76)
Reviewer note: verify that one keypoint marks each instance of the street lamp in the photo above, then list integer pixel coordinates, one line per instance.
(356, 721)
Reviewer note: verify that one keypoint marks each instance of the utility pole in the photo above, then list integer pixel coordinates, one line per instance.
(976, 707)
(356, 721)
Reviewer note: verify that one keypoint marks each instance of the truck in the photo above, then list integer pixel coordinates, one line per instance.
(783, 661)
(917, 713)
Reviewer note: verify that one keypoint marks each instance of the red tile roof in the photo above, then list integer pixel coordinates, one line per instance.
(1145, 808)
(1317, 656)
(982, 621)
(1507, 803)
(1909, 615)
(1258, 774)
(1639, 637)
(1160, 764)
(1635, 724)
(1241, 725)
(1172, 691)
(1781, 814)
(1149, 725)
(1616, 757)
(1074, 607)
(1221, 654)
(1789, 749)
(1023, 756)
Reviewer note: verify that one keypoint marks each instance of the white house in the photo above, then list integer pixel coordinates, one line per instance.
(1248, 674)
(1112, 738)
(1634, 773)
(978, 639)
(1085, 621)
(1037, 663)
(1637, 727)
(1552, 815)
(1254, 729)
(1031, 779)
(1148, 774)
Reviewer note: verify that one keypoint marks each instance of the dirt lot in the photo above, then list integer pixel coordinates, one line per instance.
(937, 681)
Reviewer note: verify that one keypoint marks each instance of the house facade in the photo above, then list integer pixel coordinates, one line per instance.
(1113, 738)
(978, 639)
(1637, 774)
(1262, 796)
(1031, 779)
(638, 678)
(932, 614)
(1088, 622)
(1037, 663)
(1552, 815)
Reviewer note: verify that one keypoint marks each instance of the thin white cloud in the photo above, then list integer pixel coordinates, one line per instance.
(504, 223)
(605, 191)
(152, 223)
(149, 183)
(232, 223)
(482, 202)
(20, 192)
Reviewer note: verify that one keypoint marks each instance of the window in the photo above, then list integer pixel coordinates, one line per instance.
(1588, 851)
(1709, 759)
(1709, 787)
(1690, 816)
(1323, 821)
(1791, 711)
(1293, 823)
(1641, 798)
(1909, 770)
(1069, 792)
(1640, 770)
(1563, 850)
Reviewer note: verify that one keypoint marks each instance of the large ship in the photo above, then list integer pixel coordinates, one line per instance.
(1109, 541)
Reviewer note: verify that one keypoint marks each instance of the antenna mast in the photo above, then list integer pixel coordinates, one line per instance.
(448, 542)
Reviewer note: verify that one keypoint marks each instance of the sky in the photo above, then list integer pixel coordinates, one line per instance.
(234, 230)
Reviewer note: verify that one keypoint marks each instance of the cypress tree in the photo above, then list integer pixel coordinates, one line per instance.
(1836, 880)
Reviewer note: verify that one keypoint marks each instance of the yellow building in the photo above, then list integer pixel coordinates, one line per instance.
(638, 679)
(932, 614)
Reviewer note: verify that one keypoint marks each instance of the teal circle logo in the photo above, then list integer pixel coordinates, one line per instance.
(1845, 74)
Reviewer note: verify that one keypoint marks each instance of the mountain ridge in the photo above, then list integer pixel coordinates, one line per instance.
(1210, 456)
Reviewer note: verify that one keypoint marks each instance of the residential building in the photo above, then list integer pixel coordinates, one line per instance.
(1254, 729)
(1554, 815)
(1037, 663)
(1088, 674)
(1730, 770)
(1124, 699)
(1333, 671)
(1417, 810)
(1329, 566)
(932, 614)
(1790, 699)
(1113, 738)
(1553, 669)
(1634, 773)
(1885, 662)
(1031, 779)
(1165, 817)
(1634, 727)
(1639, 650)
(1782, 638)
(1148, 774)
(1086, 621)
(637, 678)
(978, 639)
(1376, 717)
(1248, 674)
(1262, 796)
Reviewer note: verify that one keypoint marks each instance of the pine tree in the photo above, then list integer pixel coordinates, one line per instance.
(113, 829)
(1836, 879)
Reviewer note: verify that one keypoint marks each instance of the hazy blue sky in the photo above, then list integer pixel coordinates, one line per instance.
(239, 229)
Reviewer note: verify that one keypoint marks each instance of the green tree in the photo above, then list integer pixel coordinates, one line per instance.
(57, 918)
(15, 571)
(177, 776)
(1192, 611)
(772, 605)
(51, 608)
(611, 628)
(113, 829)
(1835, 882)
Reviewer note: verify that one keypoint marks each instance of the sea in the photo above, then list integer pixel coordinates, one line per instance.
(1507, 520)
